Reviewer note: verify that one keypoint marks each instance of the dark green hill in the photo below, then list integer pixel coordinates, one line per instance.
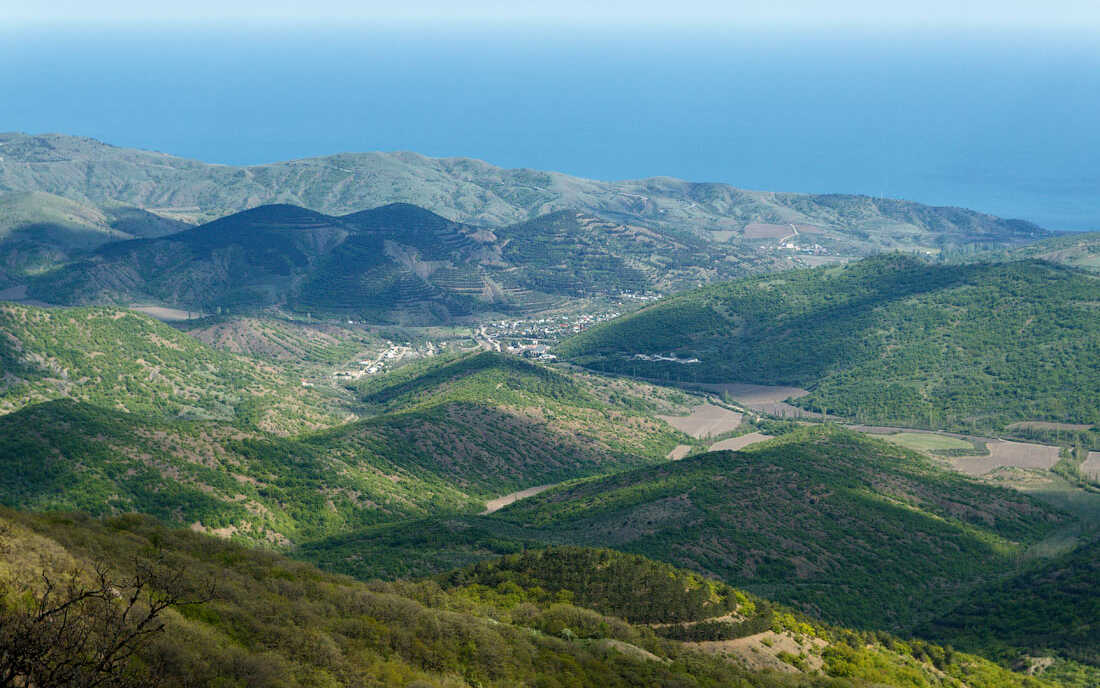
(889, 339)
(844, 527)
(121, 360)
(276, 623)
(1053, 608)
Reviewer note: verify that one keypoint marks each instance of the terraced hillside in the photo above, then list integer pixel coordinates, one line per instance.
(889, 339)
(396, 263)
(847, 528)
(253, 618)
(476, 192)
(117, 359)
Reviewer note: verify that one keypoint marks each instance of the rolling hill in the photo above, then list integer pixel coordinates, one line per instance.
(448, 437)
(1079, 250)
(39, 231)
(890, 339)
(475, 192)
(395, 263)
(247, 617)
(1052, 608)
(846, 528)
(121, 360)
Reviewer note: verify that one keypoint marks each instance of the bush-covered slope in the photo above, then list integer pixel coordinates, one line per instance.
(118, 359)
(274, 623)
(1053, 608)
(465, 440)
(213, 476)
(845, 527)
(888, 339)
(495, 423)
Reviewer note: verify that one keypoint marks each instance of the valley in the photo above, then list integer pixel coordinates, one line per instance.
(463, 426)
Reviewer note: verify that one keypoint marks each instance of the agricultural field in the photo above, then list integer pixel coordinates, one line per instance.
(1008, 454)
(706, 420)
(929, 442)
(739, 442)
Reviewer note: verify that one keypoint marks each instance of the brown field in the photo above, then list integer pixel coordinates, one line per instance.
(809, 229)
(1005, 454)
(167, 314)
(706, 420)
(679, 451)
(763, 398)
(1091, 466)
(760, 230)
(735, 443)
(501, 502)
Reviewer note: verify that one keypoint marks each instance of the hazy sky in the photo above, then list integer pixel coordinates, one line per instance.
(1026, 14)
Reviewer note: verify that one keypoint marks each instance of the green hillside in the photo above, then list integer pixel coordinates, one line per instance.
(241, 484)
(475, 192)
(889, 339)
(464, 441)
(1076, 249)
(238, 617)
(40, 231)
(1052, 608)
(121, 360)
(848, 528)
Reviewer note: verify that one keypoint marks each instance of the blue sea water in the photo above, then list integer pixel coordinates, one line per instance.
(1006, 123)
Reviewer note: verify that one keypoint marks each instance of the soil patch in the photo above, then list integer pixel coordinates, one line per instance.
(166, 314)
(735, 443)
(511, 498)
(1003, 453)
(1091, 466)
(706, 420)
(761, 651)
(679, 451)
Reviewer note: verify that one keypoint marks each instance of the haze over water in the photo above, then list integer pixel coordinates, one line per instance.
(1000, 123)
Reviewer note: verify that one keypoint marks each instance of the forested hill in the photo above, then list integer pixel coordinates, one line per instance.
(238, 617)
(129, 362)
(476, 192)
(395, 263)
(889, 339)
(449, 436)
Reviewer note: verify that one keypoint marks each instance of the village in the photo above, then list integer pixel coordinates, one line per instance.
(526, 337)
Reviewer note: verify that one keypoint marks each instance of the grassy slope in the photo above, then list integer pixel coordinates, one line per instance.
(277, 623)
(846, 527)
(888, 339)
(121, 360)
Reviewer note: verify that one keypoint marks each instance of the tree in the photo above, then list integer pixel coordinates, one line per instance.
(88, 630)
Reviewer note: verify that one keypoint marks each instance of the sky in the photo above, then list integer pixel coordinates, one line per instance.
(987, 104)
(1076, 15)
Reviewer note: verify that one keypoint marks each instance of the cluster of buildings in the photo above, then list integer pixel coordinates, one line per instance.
(388, 358)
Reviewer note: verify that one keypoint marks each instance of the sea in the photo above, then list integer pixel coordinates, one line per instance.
(1007, 123)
